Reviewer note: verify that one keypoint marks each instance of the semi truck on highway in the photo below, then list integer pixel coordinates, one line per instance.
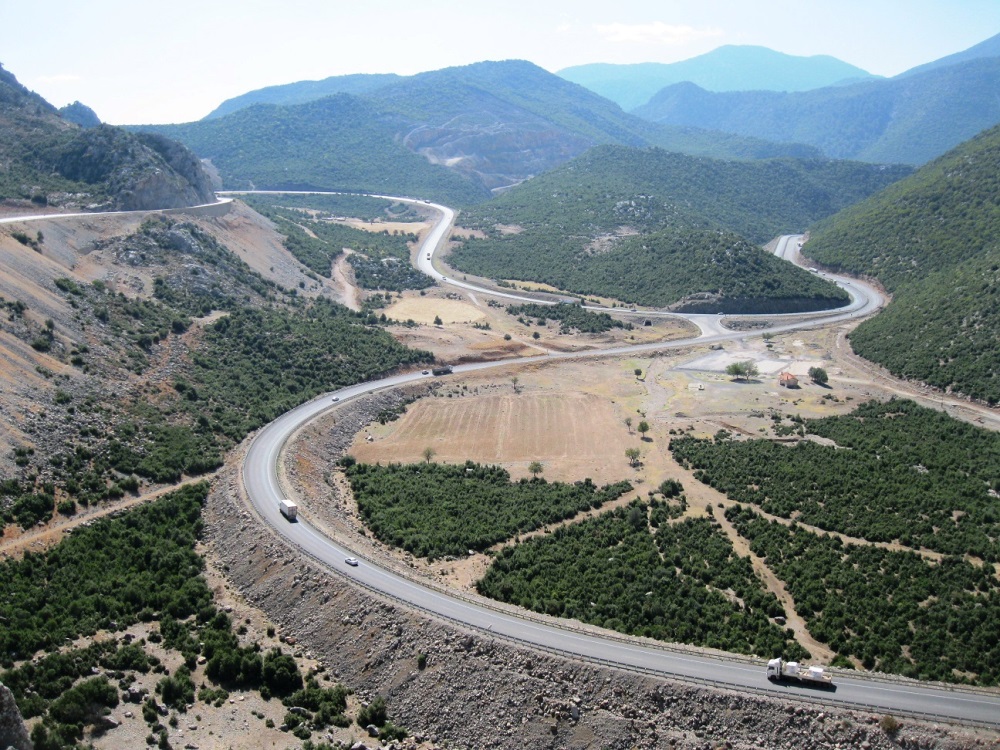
(792, 671)
(288, 509)
(444, 370)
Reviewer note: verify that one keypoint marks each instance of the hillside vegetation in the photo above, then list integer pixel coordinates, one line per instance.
(338, 143)
(433, 510)
(269, 352)
(895, 610)
(47, 159)
(934, 241)
(652, 227)
(909, 119)
(141, 567)
(380, 260)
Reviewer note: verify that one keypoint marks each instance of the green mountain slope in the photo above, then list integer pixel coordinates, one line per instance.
(933, 239)
(728, 68)
(647, 189)
(337, 143)
(47, 159)
(304, 91)
(493, 123)
(909, 119)
(653, 227)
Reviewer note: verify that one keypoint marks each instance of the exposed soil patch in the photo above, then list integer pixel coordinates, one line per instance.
(426, 309)
(574, 435)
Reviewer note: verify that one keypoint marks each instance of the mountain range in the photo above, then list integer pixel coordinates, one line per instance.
(475, 128)
(728, 68)
(911, 118)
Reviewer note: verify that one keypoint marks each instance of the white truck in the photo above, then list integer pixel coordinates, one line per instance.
(792, 671)
(288, 509)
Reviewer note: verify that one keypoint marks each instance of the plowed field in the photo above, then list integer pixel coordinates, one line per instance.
(575, 435)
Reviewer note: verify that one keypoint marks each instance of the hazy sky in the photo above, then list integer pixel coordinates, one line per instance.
(147, 61)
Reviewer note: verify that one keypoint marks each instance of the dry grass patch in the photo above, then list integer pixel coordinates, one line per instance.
(425, 309)
(574, 435)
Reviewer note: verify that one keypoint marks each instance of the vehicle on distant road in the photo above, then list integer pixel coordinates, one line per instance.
(352, 561)
(288, 509)
(792, 671)
(443, 370)
(336, 398)
(426, 372)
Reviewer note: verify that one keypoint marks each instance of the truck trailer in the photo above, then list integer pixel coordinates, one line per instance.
(792, 671)
(443, 370)
(288, 509)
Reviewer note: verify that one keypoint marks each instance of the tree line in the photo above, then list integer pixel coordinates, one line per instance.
(434, 510)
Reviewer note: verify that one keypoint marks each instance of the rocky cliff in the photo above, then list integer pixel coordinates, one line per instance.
(49, 159)
(13, 733)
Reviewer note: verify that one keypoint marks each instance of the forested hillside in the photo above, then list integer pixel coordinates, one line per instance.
(338, 143)
(694, 270)
(934, 241)
(268, 352)
(304, 91)
(583, 227)
(614, 186)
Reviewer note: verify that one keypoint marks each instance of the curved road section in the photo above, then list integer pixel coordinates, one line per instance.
(261, 482)
(260, 478)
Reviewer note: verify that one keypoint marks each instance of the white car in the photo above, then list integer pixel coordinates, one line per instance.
(336, 398)
(352, 561)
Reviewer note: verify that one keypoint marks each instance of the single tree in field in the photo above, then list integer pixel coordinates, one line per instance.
(638, 372)
(643, 428)
(437, 320)
(632, 454)
(536, 468)
(628, 423)
(428, 454)
(513, 382)
(744, 370)
(818, 375)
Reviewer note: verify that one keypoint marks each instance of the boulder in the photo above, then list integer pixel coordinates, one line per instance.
(13, 733)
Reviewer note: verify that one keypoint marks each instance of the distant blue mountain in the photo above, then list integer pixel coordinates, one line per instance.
(988, 48)
(728, 68)
(909, 119)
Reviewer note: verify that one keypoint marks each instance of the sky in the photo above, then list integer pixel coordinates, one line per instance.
(148, 61)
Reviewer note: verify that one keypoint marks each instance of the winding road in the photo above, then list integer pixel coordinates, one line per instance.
(978, 707)
(262, 486)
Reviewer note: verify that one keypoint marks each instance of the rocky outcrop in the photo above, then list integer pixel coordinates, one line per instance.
(80, 114)
(138, 172)
(13, 733)
(68, 158)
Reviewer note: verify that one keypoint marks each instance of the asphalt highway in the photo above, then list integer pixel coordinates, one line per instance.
(260, 478)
